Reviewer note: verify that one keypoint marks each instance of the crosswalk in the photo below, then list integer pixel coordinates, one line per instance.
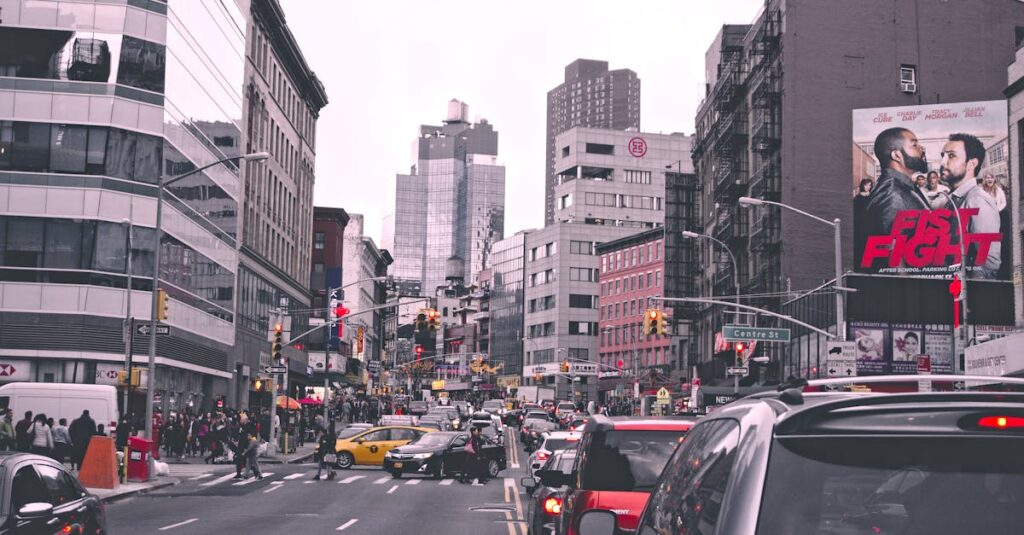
(275, 480)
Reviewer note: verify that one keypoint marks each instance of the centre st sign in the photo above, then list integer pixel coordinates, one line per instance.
(742, 333)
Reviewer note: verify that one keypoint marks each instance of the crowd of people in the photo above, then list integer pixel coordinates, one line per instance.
(38, 434)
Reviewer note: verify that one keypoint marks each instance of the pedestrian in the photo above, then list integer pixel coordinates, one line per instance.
(61, 441)
(7, 435)
(41, 436)
(82, 431)
(240, 449)
(21, 433)
(327, 442)
(252, 453)
(124, 430)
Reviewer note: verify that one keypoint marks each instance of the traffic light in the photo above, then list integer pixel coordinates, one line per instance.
(433, 319)
(564, 366)
(275, 344)
(161, 304)
(421, 320)
(537, 377)
(419, 351)
(654, 322)
(620, 364)
(257, 385)
(340, 312)
(741, 353)
(136, 378)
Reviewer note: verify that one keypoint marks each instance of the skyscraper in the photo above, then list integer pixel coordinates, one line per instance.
(452, 203)
(592, 96)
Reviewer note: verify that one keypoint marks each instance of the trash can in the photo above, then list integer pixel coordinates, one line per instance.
(138, 458)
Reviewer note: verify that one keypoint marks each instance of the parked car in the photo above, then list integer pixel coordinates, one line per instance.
(545, 504)
(534, 430)
(564, 411)
(617, 465)
(441, 454)
(449, 412)
(488, 429)
(548, 444)
(369, 447)
(41, 496)
(435, 421)
(530, 418)
(800, 461)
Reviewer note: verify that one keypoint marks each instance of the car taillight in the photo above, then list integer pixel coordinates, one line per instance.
(1001, 422)
(542, 455)
(553, 506)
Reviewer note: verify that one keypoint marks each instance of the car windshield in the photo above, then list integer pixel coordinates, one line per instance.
(555, 444)
(627, 460)
(492, 404)
(537, 415)
(433, 439)
(905, 485)
(350, 432)
(566, 407)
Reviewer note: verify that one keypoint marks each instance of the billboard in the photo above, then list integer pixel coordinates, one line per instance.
(907, 160)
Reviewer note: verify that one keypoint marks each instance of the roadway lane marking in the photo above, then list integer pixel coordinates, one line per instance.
(382, 480)
(310, 482)
(348, 480)
(272, 489)
(218, 480)
(252, 479)
(393, 489)
(515, 494)
(413, 482)
(293, 476)
(201, 476)
(447, 482)
(346, 524)
(178, 525)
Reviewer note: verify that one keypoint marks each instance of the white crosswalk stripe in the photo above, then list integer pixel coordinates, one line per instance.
(252, 479)
(293, 476)
(446, 482)
(218, 480)
(350, 479)
(413, 482)
(382, 481)
(201, 476)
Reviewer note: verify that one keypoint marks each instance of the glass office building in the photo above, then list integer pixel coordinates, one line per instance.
(451, 204)
(97, 100)
(508, 258)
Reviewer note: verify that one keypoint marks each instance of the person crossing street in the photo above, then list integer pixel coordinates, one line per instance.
(328, 439)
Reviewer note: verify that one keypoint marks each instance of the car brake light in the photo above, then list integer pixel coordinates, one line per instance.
(542, 456)
(1001, 422)
(553, 506)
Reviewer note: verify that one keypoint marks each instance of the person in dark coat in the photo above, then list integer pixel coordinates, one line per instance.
(901, 157)
(22, 440)
(124, 430)
(241, 448)
(82, 430)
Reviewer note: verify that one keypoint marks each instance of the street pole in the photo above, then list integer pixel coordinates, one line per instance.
(963, 276)
(160, 187)
(840, 297)
(128, 326)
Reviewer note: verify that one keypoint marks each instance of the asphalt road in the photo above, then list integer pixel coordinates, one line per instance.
(360, 500)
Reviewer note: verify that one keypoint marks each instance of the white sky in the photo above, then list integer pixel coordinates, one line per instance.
(391, 65)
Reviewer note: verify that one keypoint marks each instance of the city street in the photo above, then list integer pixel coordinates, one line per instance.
(359, 500)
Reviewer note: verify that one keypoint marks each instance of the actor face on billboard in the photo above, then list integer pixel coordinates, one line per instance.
(956, 166)
(962, 156)
(920, 180)
(907, 347)
(898, 149)
(933, 181)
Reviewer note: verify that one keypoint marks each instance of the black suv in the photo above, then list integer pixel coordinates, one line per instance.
(40, 496)
(799, 461)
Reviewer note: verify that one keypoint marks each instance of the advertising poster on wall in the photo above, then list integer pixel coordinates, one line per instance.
(871, 348)
(906, 347)
(906, 159)
(938, 344)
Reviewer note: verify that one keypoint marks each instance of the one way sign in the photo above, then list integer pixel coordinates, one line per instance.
(841, 359)
(161, 330)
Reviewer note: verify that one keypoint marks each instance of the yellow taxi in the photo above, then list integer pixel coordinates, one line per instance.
(369, 447)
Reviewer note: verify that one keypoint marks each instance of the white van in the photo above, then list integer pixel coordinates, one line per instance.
(62, 400)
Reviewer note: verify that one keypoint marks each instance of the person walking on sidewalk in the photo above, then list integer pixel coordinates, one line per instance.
(7, 435)
(327, 442)
(24, 443)
(82, 431)
(41, 435)
(61, 441)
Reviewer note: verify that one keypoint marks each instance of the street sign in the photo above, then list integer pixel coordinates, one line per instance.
(841, 359)
(664, 397)
(741, 371)
(741, 333)
(275, 369)
(373, 366)
(161, 330)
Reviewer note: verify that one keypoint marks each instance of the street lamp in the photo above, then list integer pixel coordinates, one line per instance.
(735, 267)
(160, 187)
(963, 268)
(835, 224)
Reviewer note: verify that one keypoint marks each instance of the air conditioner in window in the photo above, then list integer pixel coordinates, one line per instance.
(908, 87)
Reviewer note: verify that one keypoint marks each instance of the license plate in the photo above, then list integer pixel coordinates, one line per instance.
(398, 465)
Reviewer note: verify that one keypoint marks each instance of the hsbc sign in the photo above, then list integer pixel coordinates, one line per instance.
(15, 370)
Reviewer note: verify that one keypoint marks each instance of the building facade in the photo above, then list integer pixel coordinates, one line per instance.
(757, 111)
(451, 203)
(1015, 93)
(590, 96)
(507, 302)
(97, 103)
(282, 101)
(365, 287)
(325, 273)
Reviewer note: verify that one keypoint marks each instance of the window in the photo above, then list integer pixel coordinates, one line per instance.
(908, 74)
(25, 243)
(550, 249)
(581, 247)
(649, 279)
(565, 151)
(637, 177)
(587, 328)
(376, 436)
(318, 267)
(689, 498)
(319, 240)
(565, 201)
(403, 434)
(27, 488)
(68, 144)
(600, 148)
(583, 274)
(32, 146)
(142, 64)
(582, 301)
(62, 490)
(657, 279)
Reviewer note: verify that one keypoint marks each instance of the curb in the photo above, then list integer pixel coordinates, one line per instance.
(303, 458)
(163, 484)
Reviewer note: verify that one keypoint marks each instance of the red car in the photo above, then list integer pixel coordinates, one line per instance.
(617, 465)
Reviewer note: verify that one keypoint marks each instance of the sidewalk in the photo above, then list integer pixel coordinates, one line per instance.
(131, 489)
(301, 454)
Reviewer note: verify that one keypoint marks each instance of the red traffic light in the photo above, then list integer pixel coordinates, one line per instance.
(653, 314)
(278, 327)
(741, 347)
(619, 364)
(419, 351)
(340, 311)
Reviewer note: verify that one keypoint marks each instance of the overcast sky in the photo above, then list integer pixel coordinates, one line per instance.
(390, 66)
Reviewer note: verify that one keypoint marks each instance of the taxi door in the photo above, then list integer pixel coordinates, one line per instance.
(371, 447)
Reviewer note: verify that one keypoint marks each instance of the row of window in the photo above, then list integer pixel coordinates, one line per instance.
(632, 283)
(583, 274)
(582, 247)
(624, 223)
(541, 303)
(632, 257)
(632, 176)
(543, 251)
(76, 244)
(619, 200)
(543, 277)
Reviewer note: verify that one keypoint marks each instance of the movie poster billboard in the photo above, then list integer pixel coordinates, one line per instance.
(906, 160)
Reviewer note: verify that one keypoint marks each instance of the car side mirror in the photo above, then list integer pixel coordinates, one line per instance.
(529, 484)
(35, 511)
(598, 522)
(554, 478)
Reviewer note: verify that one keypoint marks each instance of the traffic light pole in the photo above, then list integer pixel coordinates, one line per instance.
(129, 327)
